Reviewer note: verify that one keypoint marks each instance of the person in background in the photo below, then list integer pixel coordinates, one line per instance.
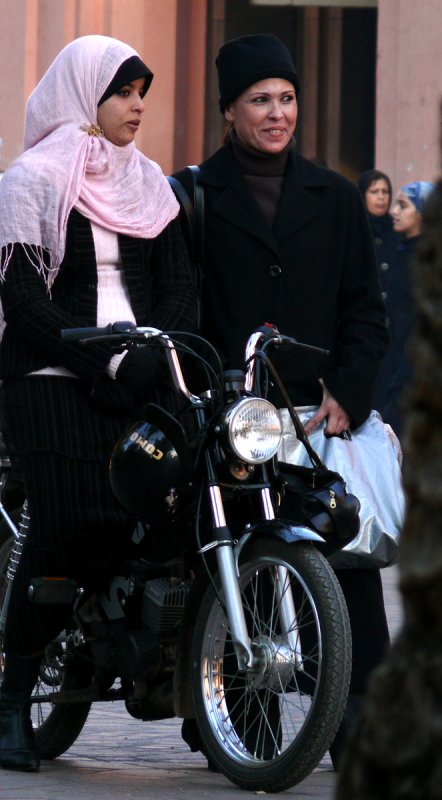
(375, 187)
(89, 235)
(396, 749)
(288, 242)
(406, 215)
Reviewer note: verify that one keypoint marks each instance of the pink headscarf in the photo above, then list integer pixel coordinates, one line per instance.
(64, 167)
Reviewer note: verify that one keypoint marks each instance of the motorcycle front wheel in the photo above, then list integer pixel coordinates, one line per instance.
(267, 727)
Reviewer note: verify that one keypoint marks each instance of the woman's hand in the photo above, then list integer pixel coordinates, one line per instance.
(112, 397)
(337, 419)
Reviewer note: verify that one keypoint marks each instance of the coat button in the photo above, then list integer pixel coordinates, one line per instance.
(384, 266)
(384, 295)
(275, 271)
(378, 240)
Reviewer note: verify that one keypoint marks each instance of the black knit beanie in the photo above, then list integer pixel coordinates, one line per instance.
(128, 71)
(249, 59)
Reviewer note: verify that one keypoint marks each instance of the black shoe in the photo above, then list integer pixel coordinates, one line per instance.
(17, 743)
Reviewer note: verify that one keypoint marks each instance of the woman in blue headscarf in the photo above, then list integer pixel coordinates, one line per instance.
(407, 220)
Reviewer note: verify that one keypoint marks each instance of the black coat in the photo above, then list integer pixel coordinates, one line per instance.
(160, 283)
(402, 317)
(314, 276)
(386, 242)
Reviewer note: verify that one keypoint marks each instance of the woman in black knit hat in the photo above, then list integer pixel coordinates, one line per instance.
(288, 242)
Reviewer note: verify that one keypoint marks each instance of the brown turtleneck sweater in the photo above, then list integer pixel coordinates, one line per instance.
(264, 173)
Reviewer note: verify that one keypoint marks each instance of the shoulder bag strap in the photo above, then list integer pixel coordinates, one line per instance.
(187, 206)
(198, 208)
(194, 215)
(193, 212)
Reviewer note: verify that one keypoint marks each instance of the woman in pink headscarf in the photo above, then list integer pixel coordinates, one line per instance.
(88, 236)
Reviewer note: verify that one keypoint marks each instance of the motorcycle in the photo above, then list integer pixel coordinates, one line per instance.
(227, 615)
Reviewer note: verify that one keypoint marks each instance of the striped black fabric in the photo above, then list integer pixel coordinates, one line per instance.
(160, 281)
(62, 443)
(63, 447)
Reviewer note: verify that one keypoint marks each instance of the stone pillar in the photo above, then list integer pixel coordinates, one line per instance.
(330, 87)
(18, 72)
(309, 70)
(409, 88)
(170, 37)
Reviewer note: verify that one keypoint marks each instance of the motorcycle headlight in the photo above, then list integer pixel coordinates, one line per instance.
(253, 429)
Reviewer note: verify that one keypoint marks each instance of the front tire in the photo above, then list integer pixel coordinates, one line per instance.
(267, 728)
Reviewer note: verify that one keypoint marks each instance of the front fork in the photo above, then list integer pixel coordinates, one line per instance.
(230, 582)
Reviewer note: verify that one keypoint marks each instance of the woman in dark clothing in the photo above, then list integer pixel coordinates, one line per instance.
(88, 236)
(407, 219)
(376, 190)
(288, 242)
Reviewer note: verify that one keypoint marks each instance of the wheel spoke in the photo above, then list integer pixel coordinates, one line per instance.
(252, 720)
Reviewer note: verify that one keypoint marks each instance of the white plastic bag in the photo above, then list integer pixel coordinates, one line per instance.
(370, 464)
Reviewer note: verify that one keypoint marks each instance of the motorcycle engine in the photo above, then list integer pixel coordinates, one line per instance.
(163, 603)
(164, 600)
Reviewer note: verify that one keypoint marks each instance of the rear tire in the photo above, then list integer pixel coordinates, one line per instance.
(267, 728)
(56, 727)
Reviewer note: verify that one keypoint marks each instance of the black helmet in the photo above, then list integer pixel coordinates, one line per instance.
(151, 467)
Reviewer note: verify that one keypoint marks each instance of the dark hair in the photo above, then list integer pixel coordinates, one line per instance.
(130, 70)
(370, 176)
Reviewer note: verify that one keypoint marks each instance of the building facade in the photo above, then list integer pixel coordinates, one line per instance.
(371, 80)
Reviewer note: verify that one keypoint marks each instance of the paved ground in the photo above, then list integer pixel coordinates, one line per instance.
(119, 757)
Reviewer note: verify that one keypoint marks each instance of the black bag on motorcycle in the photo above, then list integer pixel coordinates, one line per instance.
(317, 497)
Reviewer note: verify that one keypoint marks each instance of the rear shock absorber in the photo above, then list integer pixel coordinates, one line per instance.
(20, 536)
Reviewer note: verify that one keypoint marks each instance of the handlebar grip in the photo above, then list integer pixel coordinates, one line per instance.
(291, 342)
(78, 334)
(75, 334)
(269, 333)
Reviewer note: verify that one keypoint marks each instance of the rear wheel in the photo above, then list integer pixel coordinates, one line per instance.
(267, 727)
(56, 727)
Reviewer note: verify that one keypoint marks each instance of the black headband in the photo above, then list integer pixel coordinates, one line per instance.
(129, 71)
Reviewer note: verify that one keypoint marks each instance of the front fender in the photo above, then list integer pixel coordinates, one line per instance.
(280, 528)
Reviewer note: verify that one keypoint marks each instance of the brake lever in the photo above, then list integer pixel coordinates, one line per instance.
(291, 343)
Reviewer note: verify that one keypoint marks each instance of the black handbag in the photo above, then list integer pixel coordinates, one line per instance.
(317, 497)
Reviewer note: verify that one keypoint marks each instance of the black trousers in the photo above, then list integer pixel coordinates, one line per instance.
(363, 593)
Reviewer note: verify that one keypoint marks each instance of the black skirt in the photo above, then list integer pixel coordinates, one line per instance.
(77, 527)
(63, 446)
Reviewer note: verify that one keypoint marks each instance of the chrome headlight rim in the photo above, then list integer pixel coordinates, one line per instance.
(254, 429)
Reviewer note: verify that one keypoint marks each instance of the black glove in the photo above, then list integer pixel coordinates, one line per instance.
(112, 396)
(138, 370)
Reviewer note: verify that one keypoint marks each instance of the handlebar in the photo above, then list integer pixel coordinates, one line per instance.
(111, 332)
(127, 335)
(269, 334)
